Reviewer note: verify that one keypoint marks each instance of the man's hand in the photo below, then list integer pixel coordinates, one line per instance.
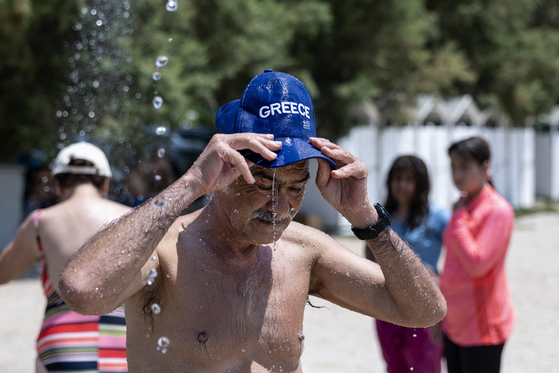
(221, 163)
(346, 187)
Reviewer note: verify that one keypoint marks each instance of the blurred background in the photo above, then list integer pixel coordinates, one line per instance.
(143, 81)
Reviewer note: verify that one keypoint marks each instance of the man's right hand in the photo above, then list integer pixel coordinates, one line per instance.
(221, 163)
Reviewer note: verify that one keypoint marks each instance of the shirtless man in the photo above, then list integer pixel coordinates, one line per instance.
(233, 278)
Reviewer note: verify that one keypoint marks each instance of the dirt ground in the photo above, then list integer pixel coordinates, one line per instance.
(338, 340)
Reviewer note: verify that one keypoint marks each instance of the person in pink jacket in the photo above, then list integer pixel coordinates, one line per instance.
(480, 314)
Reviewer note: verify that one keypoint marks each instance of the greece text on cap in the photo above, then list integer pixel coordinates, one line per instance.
(284, 108)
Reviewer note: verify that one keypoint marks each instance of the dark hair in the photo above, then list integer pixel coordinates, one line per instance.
(69, 180)
(419, 206)
(474, 147)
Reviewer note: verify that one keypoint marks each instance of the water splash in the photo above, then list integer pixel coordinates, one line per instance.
(163, 343)
(171, 5)
(274, 206)
(99, 73)
(152, 272)
(159, 201)
(157, 102)
(155, 308)
(161, 61)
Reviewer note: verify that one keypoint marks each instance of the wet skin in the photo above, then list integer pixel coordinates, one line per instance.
(239, 309)
(232, 284)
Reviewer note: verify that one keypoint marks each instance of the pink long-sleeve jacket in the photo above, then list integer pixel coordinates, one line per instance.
(480, 310)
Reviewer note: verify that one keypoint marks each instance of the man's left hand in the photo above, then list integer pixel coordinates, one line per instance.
(346, 187)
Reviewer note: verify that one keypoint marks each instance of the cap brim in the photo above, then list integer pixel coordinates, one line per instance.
(293, 150)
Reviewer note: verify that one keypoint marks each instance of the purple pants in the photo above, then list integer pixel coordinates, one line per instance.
(408, 349)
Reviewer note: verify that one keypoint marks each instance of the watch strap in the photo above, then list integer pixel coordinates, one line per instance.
(374, 230)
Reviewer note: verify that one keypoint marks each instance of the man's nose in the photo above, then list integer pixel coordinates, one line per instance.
(279, 203)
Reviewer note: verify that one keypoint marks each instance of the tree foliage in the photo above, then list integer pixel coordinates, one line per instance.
(83, 68)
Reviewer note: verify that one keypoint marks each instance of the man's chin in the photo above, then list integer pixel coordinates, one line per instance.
(269, 232)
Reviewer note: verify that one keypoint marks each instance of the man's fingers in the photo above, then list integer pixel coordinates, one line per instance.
(323, 173)
(356, 170)
(261, 144)
(238, 163)
(340, 156)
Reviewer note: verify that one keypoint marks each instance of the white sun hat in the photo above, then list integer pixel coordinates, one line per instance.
(86, 152)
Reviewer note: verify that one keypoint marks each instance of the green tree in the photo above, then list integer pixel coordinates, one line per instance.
(513, 46)
(84, 67)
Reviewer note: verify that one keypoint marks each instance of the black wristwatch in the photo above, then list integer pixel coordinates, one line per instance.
(372, 231)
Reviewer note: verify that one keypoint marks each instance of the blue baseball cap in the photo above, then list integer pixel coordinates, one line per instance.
(279, 104)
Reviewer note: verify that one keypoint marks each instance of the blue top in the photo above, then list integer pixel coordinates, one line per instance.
(426, 239)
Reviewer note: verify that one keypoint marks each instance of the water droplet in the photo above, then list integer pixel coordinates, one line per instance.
(157, 102)
(93, 12)
(96, 84)
(168, 276)
(161, 130)
(347, 274)
(99, 22)
(161, 61)
(411, 368)
(154, 258)
(171, 5)
(156, 75)
(161, 153)
(152, 273)
(163, 342)
(415, 335)
(157, 177)
(170, 40)
(159, 201)
(155, 308)
(236, 211)
(244, 350)
(138, 95)
(149, 281)
(91, 114)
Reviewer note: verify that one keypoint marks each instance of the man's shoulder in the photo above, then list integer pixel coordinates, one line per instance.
(303, 233)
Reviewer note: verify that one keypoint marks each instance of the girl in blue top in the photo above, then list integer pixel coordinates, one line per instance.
(422, 226)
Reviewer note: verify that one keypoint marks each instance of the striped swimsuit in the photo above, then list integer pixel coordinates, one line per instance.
(70, 342)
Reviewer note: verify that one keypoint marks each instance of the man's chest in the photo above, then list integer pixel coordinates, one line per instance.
(228, 313)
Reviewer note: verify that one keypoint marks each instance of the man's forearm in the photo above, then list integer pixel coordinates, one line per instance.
(414, 290)
(105, 268)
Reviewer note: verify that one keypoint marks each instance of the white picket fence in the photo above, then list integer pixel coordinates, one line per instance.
(513, 163)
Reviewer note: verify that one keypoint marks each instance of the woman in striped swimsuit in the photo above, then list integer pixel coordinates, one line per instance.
(70, 342)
